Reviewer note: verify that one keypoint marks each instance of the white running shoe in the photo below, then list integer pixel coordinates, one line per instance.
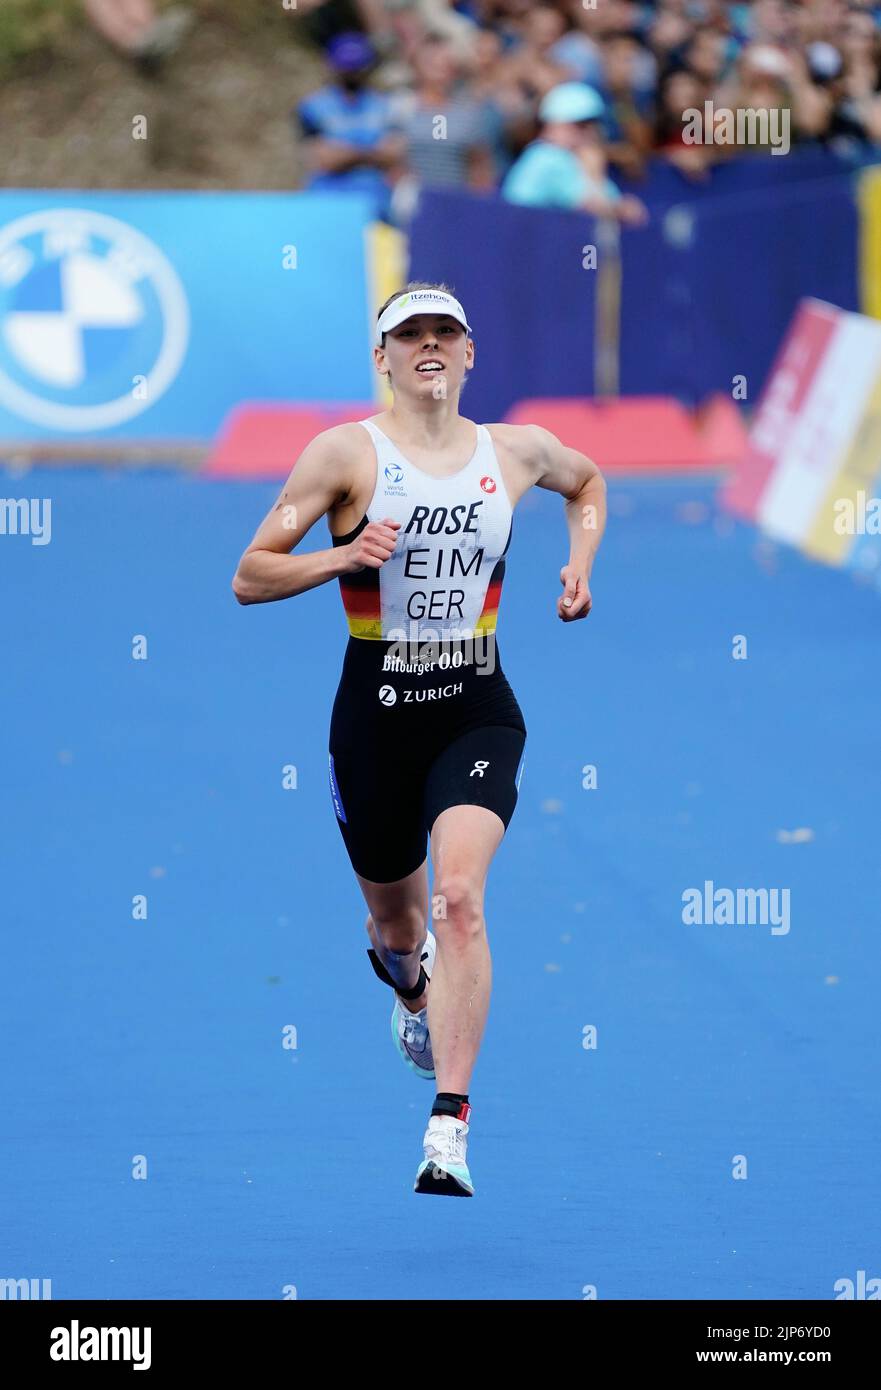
(409, 1030)
(444, 1171)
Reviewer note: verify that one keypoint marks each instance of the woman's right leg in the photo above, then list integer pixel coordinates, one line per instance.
(377, 763)
(397, 927)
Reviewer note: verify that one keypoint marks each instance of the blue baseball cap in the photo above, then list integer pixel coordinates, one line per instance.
(350, 52)
(571, 101)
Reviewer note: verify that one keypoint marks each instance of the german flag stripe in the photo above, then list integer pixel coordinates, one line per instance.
(366, 627)
(361, 603)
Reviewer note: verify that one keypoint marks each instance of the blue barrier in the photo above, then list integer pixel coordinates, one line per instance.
(708, 287)
(148, 316)
(664, 183)
(531, 303)
(136, 315)
(711, 286)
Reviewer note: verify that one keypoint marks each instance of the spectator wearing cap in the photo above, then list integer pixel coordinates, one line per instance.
(351, 144)
(566, 166)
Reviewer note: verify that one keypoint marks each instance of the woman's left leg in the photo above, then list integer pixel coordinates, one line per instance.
(463, 841)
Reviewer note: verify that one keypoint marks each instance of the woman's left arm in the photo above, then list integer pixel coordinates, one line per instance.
(578, 479)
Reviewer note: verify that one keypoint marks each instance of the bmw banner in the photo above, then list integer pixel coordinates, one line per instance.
(148, 316)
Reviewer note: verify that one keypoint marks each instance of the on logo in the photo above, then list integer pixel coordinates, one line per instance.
(488, 484)
(479, 768)
(387, 695)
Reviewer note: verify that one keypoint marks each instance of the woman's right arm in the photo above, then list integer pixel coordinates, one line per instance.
(321, 477)
(267, 570)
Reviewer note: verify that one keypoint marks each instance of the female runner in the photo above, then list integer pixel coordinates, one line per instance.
(426, 736)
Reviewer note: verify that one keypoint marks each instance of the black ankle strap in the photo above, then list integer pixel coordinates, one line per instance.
(414, 993)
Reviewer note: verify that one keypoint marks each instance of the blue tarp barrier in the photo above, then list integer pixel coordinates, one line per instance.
(708, 287)
(530, 301)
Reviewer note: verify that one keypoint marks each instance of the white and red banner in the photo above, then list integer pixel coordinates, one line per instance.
(813, 463)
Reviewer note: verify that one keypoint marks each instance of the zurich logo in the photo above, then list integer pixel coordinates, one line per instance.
(94, 321)
(394, 472)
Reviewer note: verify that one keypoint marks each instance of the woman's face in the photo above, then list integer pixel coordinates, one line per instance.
(416, 344)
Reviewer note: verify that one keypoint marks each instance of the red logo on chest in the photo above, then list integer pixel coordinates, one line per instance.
(488, 484)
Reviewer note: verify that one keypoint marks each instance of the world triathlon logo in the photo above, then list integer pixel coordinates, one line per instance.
(394, 472)
(94, 321)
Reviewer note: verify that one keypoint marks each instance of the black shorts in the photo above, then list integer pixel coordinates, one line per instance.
(410, 737)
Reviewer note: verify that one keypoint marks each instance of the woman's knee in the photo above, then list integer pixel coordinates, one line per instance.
(402, 928)
(457, 904)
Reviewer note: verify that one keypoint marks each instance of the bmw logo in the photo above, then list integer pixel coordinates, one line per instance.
(387, 695)
(94, 321)
(394, 472)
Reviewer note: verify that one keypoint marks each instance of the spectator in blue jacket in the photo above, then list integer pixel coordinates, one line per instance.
(351, 141)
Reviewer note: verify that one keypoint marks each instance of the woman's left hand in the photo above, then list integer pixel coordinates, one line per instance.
(576, 601)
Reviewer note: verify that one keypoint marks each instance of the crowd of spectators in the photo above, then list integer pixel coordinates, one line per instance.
(550, 100)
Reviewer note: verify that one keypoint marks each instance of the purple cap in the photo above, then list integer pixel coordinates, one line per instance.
(350, 52)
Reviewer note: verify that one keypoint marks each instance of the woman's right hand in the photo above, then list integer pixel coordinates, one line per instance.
(373, 546)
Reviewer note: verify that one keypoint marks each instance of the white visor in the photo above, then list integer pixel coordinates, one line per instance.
(419, 302)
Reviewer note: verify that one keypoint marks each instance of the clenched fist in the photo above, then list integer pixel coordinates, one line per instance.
(576, 601)
(373, 546)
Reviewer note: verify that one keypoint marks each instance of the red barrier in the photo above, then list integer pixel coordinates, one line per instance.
(644, 433)
(265, 441)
